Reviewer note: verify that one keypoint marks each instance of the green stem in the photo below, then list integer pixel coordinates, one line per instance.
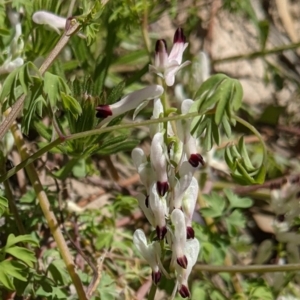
(248, 269)
(80, 135)
(48, 213)
(257, 134)
(256, 54)
(152, 292)
(145, 29)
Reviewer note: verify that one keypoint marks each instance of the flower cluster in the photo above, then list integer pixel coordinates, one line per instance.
(167, 173)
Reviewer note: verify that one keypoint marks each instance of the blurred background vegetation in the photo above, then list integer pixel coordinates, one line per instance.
(249, 235)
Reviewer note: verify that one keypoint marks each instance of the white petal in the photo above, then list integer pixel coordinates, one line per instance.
(158, 206)
(177, 52)
(157, 111)
(133, 100)
(191, 251)
(48, 18)
(147, 251)
(138, 157)
(189, 201)
(179, 238)
(146, 210)
(158, 157)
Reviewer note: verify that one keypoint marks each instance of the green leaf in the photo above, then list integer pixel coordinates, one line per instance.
(234, 222)
(226, 126)
(12, 240)
(6, 280)
(70, 104)
(229, 158)
(244, 154)
(207, 143)
(3, 205)
(104, 240)
(8, 85)
(27, 256)
(53, 87)
(14, 269)
(116, 93)
(225, 90)
(237, 202)
(216, 205)
(59, 273)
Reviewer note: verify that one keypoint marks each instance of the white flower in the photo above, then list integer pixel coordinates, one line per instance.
(178, 238)
(158, 206)
(189, 142)
(143, 167)
(144, 205)
(157, 112)
(188, 206)
(165, 65)
(159, 163)
(47, 18)
(150, 252)
(10, 66)
(191, 251)
(129, 102)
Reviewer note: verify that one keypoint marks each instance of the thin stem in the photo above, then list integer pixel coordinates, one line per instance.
(256, 54)
(48, 213)
(248, 269)
(152, 292)
(88, 133)
(71, 7)
(145, 29)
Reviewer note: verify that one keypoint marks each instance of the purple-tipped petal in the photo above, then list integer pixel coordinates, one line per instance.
(156, 276)
(161, 232)
(162, 188)
(179, 37)
(103, 111)
(196, 159)
(182, 261)
(161, 46)
(184, 292)
(190, 233)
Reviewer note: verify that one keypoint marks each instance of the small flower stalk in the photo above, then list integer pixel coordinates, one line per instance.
(167, 172)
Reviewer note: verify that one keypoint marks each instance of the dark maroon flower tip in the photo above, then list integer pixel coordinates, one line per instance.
(147, 201)
(103, 111)
(161, 232)
(161, 46)
(182, 261)
(184, 292)
(190, 233)
(196, 159)
(156, 276)
(162, 188)
(179, 37)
